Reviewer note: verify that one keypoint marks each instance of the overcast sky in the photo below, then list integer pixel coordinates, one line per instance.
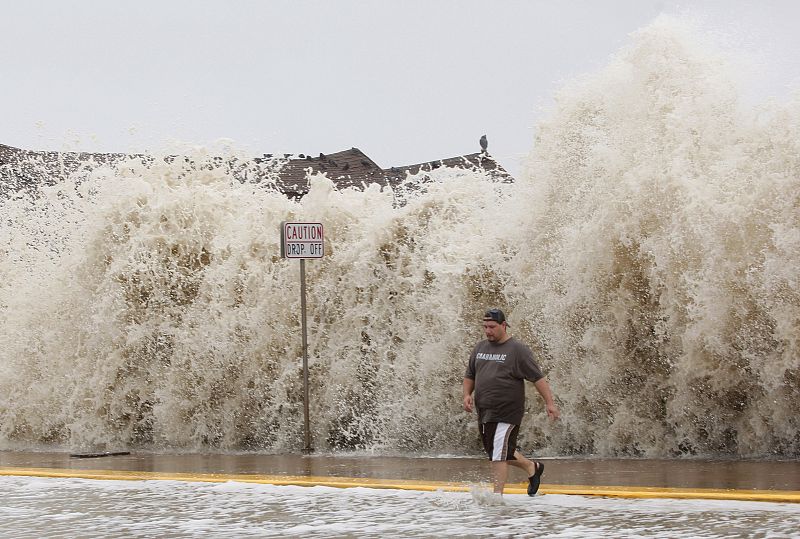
(404, 81)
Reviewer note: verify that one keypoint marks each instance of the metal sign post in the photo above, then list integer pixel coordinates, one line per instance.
(306, 425)
(303, 240)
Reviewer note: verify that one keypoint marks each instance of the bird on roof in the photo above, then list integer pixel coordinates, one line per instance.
(484, 143)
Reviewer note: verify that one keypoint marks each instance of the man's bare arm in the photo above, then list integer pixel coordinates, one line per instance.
(544, 390)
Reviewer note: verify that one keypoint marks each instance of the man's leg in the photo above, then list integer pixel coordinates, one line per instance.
(499, 440)
(523, 463)
(500, 473)
(500, 470)
(532, 469)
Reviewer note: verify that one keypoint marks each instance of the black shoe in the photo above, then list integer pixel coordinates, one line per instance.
(535, 479)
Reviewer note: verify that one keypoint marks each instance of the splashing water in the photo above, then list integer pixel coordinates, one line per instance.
(663, 252)
(648, 254)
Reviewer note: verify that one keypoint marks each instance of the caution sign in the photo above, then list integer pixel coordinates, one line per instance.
(302, 240)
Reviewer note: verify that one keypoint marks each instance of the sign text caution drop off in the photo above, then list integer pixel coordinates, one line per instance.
(302, 240)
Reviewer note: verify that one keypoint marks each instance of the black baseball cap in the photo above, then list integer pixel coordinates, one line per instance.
(495, 315)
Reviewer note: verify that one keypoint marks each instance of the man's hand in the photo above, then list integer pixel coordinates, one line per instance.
(552, 411)
(469, 387)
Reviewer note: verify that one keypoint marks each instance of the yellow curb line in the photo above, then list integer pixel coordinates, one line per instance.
(783, 496)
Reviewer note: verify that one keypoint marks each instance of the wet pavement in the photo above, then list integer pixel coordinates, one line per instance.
(52, 494)
(701, 474)
(34, 507)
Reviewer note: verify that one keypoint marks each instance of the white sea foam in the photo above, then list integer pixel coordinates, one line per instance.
(648, 253)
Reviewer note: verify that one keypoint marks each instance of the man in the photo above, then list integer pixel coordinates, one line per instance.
(497, 370)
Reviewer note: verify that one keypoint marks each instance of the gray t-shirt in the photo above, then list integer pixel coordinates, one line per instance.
(500, 371)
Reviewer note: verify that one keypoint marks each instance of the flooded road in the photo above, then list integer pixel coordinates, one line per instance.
(705, 474)
(38, 507)
(447, 497)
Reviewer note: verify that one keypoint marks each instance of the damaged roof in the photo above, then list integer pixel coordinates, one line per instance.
(347, 168)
